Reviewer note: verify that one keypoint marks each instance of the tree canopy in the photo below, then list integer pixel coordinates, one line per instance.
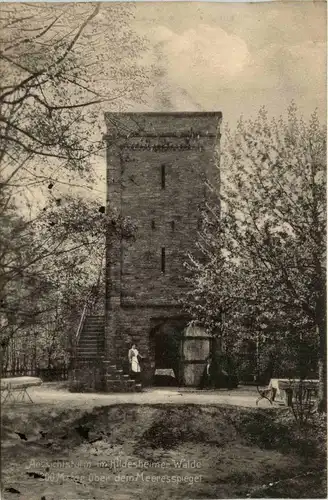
(60, 65)
(264, 243)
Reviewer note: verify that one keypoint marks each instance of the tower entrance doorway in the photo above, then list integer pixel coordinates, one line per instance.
(166, 352)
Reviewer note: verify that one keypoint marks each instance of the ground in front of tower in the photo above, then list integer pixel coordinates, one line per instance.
(158, 451)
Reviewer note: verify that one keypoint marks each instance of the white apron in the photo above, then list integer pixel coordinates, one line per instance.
(134, 362)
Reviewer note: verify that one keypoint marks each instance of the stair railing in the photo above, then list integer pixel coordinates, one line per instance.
(81, 323)
(90, 302)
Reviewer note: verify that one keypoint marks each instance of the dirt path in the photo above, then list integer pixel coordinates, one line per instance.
(52, 394)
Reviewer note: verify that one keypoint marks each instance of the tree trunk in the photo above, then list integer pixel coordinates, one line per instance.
(322, 364)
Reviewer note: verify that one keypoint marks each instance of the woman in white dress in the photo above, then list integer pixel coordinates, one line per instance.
(133, 357)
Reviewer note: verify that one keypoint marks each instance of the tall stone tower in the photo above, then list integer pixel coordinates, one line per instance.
(157, 168)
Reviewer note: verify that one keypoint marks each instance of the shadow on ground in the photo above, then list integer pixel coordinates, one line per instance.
(136, 452)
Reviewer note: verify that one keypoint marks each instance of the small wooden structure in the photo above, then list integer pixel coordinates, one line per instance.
(196, 346)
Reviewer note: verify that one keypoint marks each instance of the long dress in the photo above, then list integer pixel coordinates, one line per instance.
(134, 360)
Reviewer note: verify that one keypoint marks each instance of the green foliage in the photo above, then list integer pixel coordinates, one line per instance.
(263, 272)
(60, 64)
(48, 266)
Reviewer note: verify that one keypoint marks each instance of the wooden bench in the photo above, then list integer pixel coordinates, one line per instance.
(15, 389)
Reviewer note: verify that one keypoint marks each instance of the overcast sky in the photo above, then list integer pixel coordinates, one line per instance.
(235, 57)
(230, 57)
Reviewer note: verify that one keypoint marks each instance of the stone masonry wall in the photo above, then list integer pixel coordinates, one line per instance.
(157, 167)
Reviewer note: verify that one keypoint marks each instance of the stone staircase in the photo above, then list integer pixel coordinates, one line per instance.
(91, 343)
(117, 381)
(91, 349)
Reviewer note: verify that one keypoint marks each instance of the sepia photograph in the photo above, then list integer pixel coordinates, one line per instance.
(163, 321)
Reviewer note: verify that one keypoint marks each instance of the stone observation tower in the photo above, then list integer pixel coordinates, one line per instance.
(157, 168)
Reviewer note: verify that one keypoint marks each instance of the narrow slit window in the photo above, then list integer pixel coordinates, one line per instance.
(163, 176)
(153, 225)
(163, 260)
(173, 225)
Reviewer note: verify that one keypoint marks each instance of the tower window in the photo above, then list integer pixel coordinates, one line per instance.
(163, 260)
(153, 225)
(172, 225)
(163, 176)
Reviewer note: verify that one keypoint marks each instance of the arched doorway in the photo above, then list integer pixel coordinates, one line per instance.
(165, 347)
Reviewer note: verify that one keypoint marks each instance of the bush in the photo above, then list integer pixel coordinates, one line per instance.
(281, 431)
